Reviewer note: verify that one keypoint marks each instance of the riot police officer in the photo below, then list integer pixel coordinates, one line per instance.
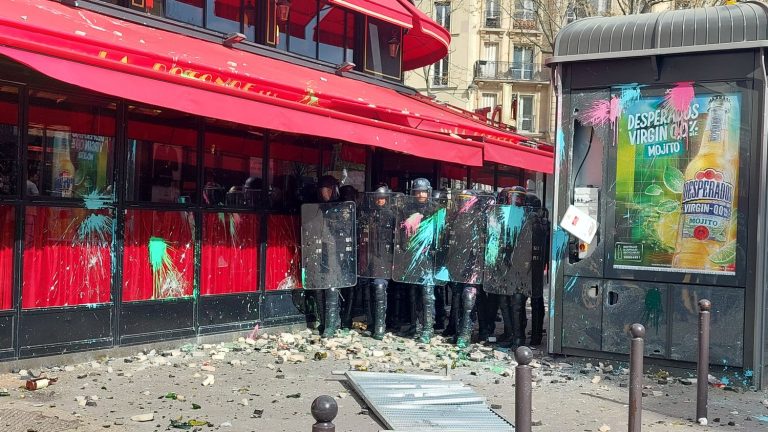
(328, 191)
(384, 219)
(421, 189)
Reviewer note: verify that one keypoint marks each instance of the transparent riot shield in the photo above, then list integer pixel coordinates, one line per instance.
(442, 198)
(462, 246)
(418, 226)
(376, 235)
(328, 247)
(509, 250)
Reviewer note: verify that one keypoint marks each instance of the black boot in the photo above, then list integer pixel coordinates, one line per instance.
(439, 307)
(380, 313)
(507, 317)
(520, 318)
(331, 313)
(428, 311)
(453, 317)
(468, 296)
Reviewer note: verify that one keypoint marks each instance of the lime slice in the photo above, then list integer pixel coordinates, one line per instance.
(673, 179)
(668, 206)
(725, 255)
(666, 228)
(653, 189)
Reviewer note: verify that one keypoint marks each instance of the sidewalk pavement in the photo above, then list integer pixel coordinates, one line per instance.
(268, 384)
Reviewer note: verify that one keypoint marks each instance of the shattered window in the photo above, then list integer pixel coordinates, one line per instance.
(67, 256)
(7, 229)
(70, 146)
(230, 253)
(283, 252)
(158, 261)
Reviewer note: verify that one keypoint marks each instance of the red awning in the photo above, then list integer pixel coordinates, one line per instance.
(170, 70)
(426, 43)
(391, 11)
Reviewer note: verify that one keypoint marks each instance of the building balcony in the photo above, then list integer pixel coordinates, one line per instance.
(525, 20)
(511, 71)
(492, 22)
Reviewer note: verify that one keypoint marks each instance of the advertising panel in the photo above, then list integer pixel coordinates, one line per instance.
(676, 181)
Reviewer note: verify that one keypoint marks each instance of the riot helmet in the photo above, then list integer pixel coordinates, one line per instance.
(421, 188)
(328, 188)
(348, 193)
(381, 194)
(531, 200)
(514, 195)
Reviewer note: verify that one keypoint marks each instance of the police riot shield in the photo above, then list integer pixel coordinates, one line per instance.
(376, 235)
(509, 250)
(442, 198)
(328, 246)
(418, 225)
(463, 242)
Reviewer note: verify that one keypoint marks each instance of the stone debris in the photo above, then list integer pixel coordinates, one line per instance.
(604, 428)
(140, 418)
(209, 380)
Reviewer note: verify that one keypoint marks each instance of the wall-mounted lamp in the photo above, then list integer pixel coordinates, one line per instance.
(232, 38)
(394, 46)
(283, 8)
(69, 2)
(344, 67)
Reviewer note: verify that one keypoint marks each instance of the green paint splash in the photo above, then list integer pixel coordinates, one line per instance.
(427, 233)
(96, 201)
(654, 308)
(166, 278)
(504, 229)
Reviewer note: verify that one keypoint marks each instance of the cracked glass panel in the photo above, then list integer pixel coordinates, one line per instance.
(67, 256)
(158, 261)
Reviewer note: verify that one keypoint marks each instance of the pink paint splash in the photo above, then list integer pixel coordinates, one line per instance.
(679, 97)
(468, 205)
(411, 224)
(254, 332)
(603, 112)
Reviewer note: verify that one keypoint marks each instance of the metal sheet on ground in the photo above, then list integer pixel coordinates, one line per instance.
(418, 227)
(509, 250)
(328, 246)
(376, 235)
(463, 243)
(410, 402)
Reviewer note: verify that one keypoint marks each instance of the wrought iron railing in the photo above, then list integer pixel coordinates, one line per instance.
(511, 71)
(524, 19)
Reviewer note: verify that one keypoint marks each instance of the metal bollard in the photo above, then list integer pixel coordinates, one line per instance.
(523, 356)
(324, 410)
(636, 352)
(702, 369)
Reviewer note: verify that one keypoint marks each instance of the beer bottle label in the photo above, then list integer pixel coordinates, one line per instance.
(707, 206)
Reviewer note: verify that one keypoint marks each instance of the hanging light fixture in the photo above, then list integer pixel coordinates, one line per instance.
(283, 8)
(394, 45)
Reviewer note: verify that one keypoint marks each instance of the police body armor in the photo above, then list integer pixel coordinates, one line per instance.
(509, 250)
(328, 246)
(539, 253)
(376, 235)
(418, 226)
(464, 240)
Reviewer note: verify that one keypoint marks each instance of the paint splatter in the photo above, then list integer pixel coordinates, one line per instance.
(423, 238)
(166, 279)
(443, 274)
(679, 97)
(629, 93)
(571, 284)
(468, 205)
(95, 227)
(654, 309)
(412, 224)
(603, 112)
(560, 149)
(559, 248)
(503, 230)
(96, 201)
(762, 418)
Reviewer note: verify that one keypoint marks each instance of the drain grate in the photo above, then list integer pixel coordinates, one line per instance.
(408, 402)
(13, 420)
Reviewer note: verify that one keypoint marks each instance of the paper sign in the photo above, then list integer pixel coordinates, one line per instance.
(580, 224)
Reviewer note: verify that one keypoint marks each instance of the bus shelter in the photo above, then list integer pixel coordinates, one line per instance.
(661, 140)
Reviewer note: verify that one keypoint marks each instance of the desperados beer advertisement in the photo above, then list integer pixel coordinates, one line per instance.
(676, 178)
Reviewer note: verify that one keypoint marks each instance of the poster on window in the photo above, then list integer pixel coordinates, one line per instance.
(80, 163)
(676, 178)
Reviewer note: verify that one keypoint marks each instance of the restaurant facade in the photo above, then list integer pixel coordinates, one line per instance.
(154, 155)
